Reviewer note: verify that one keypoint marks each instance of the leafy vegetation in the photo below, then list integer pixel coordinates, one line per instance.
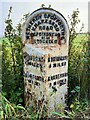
(78, 67)
(12, 64)
(12, 74)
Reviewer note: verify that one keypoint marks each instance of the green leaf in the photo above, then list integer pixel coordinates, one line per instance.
(20, 100)
(60, 114)
(71, 106)
(20, 107)
(1, 115)
(6, 109)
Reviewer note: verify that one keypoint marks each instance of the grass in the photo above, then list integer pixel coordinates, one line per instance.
(80, 39)
(3, 39)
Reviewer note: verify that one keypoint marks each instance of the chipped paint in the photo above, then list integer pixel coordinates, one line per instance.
(45, 39)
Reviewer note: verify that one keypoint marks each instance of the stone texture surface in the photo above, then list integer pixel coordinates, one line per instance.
(46, 61)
